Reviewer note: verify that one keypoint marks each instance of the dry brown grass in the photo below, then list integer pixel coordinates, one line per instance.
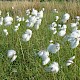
(70, 7)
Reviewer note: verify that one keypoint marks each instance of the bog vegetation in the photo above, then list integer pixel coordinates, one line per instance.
(39, 40)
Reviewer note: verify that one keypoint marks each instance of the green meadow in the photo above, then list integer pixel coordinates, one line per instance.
(28, 65)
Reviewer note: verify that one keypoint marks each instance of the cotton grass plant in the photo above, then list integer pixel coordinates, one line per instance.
(28, 65)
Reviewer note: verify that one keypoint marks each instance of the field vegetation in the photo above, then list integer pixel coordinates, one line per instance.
(28, 65)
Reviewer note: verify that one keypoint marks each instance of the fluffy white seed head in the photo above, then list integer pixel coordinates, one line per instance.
(25, 37)
(8, 18)
(34, 12)
(55, 11)
(54, 67)
(0, 12)
(28, 31)
(11, 53)
(5, 32)
(74, 38)
(14, 58)
(57, 18)
(53, 48)
(72, 58)
(45, 56)
(65, 17)
(70, 61)
(43, 53)
(62, 33)
(46, 61)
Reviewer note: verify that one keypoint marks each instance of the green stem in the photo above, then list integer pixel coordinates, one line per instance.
(20, 45)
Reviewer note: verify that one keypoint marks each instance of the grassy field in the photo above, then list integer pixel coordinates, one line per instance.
(28, 65)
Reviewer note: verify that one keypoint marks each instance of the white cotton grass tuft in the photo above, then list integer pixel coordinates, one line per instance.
(31, 21)
(51, 41)
(57, 18)
(34, 12)
(53, 48)
(35, 19)
(74, 44)
(45, 56)
(37, 24)
(65, 17)
(62, 31)
(74, 26)
(43, 53)
(12, 54)
(12, 7)
(0, 12)
(18, 19)
(53, 27)
(14, 58)
(28, 11)
(70, 61)
(74, 38)
(1, 21)
(16, 27)
(40, 14)
(1, 18)
(59, 26)
(8, 20)
(27, 35)
(55, 11)
(46, 61)
(77, 18)
(54, 67)
(5, 32)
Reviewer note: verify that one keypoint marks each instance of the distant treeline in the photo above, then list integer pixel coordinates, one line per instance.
(40, 0)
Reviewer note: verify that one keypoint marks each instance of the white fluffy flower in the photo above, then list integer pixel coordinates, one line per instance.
(40, 14)
(37, 24)
(55, 11)
(18, 18)
(62, 31)
(74, 38)
(70, 61)
(53, 27)
(0, 12)
(46, 61)
(27, 35)
(74, 26)
(28, 11)
(1, 20)
(14, 58)
(57, 18)
(45, 56)
(77, 18)
(53, 48)
(54, 67)
(51, 41)
(31, 21)
(12, 54)
(34, 12)
(65, 17)
(43, 53)
(54, 24)
(16, 27)
(5, 32)
(8, 20)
